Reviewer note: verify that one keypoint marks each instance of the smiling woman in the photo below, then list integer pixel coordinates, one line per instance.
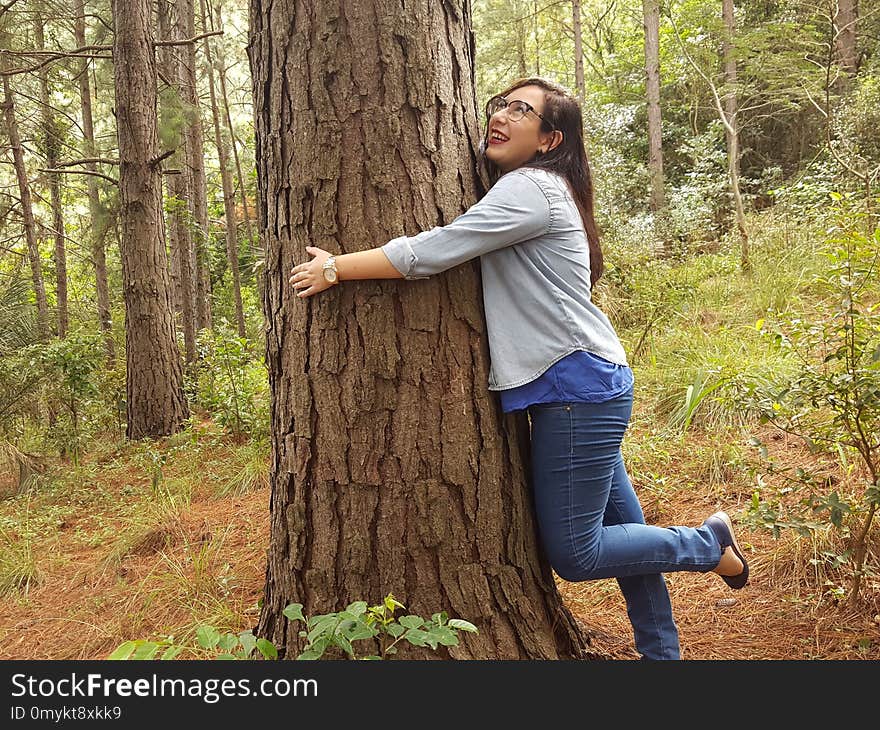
(555, 355)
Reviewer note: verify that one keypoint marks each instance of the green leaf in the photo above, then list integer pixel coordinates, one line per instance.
(267, 648)
(411, 621)
(360, 631)
(207, 636)
(358, 608)
(294, 612)
(171, 652)
(123, 651)
(461, 624)
(248, 641)
(227, 642)
(309, 655)
(395, 629)
(145, 650)
(417, 637)
(444, 635)
(391, 603)
(323, 625)
(226, 657)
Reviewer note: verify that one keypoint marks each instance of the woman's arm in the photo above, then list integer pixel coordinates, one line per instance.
(371, 264)
(514, 210)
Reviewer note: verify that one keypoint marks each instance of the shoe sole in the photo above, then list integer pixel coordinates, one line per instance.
(734, 581)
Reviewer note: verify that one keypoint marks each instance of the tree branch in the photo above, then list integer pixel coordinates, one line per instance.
(80, 172)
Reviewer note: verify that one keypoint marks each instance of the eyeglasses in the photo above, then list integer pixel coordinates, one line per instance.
(516, 109)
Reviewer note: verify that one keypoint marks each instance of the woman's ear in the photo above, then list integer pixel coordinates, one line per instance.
(555, 140)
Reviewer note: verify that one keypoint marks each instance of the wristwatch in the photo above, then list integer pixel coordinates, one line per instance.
(329, 269)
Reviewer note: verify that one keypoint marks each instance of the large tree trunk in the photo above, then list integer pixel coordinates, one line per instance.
(156, 404)
(52, 144)
(231, 218)
(27, 209)
(97, 219)
(172, 27)
(393, 469)
(651, 20)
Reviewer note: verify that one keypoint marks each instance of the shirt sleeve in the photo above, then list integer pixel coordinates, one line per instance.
(514, 210)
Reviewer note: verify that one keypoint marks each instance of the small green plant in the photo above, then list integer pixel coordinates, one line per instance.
(232, 384)
(359, 622)
(377, 625)
(832, 398)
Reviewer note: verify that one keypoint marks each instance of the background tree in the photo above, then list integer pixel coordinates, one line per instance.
(99, 219)
(651, 12)
(155, 401)
(26, 201)
(52, 141)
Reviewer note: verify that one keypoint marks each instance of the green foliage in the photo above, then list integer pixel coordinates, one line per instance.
(376, 625)
(231, 382)
(66, 370)
(832, 397)
(359, 622)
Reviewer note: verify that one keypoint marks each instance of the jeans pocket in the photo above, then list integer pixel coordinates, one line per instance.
(557, 406)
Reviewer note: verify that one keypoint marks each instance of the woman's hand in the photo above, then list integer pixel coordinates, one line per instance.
(308, 277)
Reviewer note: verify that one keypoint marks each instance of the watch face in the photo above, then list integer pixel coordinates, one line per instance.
(330, 275)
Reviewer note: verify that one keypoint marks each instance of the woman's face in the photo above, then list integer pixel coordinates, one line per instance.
(513, 143)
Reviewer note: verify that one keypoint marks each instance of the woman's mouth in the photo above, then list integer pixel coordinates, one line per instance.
(497, 138)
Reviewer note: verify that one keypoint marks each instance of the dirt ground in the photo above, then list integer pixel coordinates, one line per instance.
(211, 560)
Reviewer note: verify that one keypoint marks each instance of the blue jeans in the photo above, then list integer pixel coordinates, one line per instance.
(591, 523)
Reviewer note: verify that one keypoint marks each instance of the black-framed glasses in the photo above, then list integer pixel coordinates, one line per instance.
(516, 109)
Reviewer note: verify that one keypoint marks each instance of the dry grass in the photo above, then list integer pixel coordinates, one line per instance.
(112, 570)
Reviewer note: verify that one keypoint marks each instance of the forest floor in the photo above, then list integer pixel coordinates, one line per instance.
(97, 565)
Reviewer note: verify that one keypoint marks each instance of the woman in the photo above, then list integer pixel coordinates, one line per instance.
(556, 354)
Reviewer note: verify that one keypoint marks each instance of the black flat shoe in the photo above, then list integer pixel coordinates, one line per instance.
(724, 535)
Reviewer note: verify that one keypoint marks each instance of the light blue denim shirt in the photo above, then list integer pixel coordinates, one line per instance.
(535, 266)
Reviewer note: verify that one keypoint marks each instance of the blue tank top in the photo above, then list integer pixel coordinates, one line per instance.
(580, 377)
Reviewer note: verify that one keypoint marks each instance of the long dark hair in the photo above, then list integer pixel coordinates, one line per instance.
(568, 159)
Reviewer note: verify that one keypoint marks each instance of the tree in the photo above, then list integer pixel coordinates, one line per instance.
(845, 20)
(393, 469)
(729, 123)
(577, 29)
(27, 210)
(155, 401)
(651, 19)
(52, 141)
(231, 218)
(172, 28)
(97, 219)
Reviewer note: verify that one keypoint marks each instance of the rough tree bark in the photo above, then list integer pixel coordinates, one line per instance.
(171, 27)
(156, 405)
(97, 219)
(393, 468)
(52, 149)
